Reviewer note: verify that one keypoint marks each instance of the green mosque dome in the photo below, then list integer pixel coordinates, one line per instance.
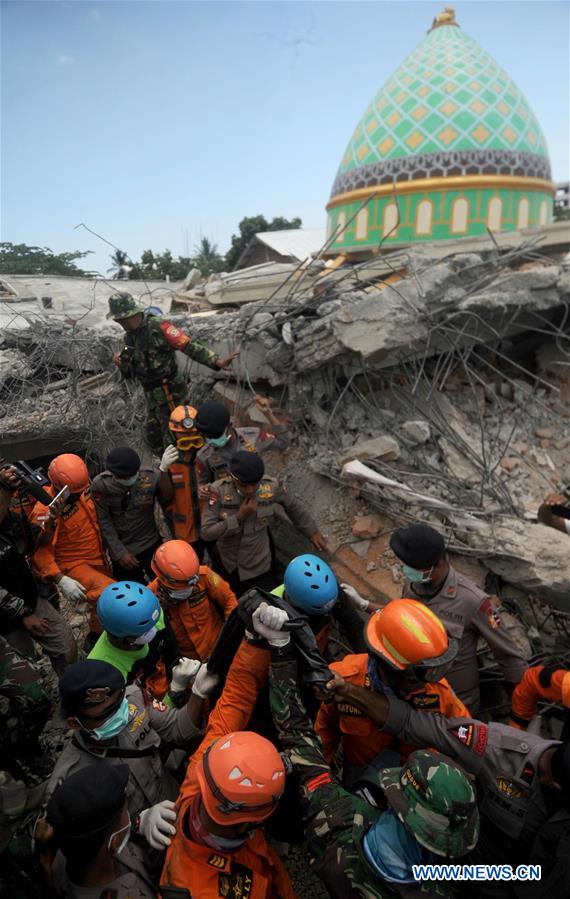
(449, 147)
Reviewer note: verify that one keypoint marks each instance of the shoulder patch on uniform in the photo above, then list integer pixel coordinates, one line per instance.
(463, 733)
(491, 613)
(174, 336)
(424, 700)
(217, 861)
(319, 781)
(509, 788)
(213, 578)
(481, 740)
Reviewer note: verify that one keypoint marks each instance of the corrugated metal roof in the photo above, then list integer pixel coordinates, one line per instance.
(298, 243)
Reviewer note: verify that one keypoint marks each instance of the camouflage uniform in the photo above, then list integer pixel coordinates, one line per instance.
(24, 707)
(149, 357)
(335, 820)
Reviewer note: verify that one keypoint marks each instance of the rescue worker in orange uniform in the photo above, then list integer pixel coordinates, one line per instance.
(408, 653)
(179, 460)
(74, 558)
(195, 600)
(546, 683)
(219, 848)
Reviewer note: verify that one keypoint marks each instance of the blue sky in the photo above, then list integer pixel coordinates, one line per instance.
(158, 122)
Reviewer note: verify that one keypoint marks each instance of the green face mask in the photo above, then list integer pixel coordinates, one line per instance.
(218, 441)
(128, 482)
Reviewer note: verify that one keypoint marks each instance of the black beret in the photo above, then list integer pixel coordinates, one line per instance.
(247, 467)
(212, 419)
(418, 546)
(89, 683)
(123, 462)
(88, 801)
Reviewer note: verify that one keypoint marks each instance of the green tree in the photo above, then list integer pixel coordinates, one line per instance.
(250, 226)
(21, 259)
(121, 265)
(207, 259)
(561, 214)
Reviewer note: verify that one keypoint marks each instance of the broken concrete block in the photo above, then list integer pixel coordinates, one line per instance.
(417, 431)
(384, 447)
(361, 548)
(365, 526)
(192, 279)
(546, 433)
(530, 556)
(508, 463)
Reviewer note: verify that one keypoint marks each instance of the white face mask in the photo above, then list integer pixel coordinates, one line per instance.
(179, 595)
(123, 842)
(146, 637)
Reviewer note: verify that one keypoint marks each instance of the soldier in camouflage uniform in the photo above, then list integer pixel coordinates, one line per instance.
(24, 710)
(356, 848)
(149, 356)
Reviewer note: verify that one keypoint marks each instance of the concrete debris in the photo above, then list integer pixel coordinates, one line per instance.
(533, 557)
(365, 526)
(361, 548)
(192, 279)
(383, 447)
(417, 431)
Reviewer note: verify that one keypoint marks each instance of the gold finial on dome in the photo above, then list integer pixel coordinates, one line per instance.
(447, 17)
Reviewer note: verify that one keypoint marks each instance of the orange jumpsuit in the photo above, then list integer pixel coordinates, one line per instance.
(185, 509)
(200, 869)
(544, 682)
(197, 621)
(75, 550)
(362, 740)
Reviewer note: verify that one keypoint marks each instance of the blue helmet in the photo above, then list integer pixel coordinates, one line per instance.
(127, 609)
(310, 584)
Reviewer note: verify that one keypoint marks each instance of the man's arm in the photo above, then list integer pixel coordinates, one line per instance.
(328, 728)
(541, 682)
(488, 625)
(221, 593)
(464, 739)
(179, 340)
(299, 515)
(109, 533)
(214, 527)
(176, 726)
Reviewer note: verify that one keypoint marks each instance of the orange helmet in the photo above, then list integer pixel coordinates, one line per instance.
(69, 470)
(241, 777)
(407, 636)
(181, 426)
(175, 564)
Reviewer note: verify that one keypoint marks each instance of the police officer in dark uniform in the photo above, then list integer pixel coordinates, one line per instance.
(124, 496)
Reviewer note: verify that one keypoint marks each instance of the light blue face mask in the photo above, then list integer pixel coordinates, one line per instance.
(113, 725)
(128, 482)
(415, 576)
(218, 441)
(392, 850)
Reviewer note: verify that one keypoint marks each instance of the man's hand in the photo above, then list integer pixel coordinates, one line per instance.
(227, 360)
(71, 588)
(319, 542)
(183, 674)
(204, 682)
(204, 491)
(169, 456)
(268, 622)
(129, 562)
(117, 360)
(338, 686)
(555, 499)
(247, 509)
(355, 598)
(156, 824)
(9, 479)
(36, 626)
(263, 403)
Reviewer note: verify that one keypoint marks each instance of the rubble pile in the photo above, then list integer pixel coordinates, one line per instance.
(446, 380)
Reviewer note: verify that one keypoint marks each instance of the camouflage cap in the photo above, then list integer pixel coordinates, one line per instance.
(122, 305)
(435, 801)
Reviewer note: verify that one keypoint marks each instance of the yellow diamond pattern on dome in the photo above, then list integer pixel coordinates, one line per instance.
(470, 103)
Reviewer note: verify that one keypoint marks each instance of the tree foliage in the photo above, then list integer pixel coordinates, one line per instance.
(250, 226)
(207, 259)
(561, 214)
(21, 259)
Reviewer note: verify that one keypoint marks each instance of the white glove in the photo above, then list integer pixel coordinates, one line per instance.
(155, 824)
(356, 599)
(204, 682)
(169, 456)
(183, 673)
(72, 589)
(268, 622)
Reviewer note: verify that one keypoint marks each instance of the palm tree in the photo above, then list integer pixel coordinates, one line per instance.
(207, 258)
(122, 266)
